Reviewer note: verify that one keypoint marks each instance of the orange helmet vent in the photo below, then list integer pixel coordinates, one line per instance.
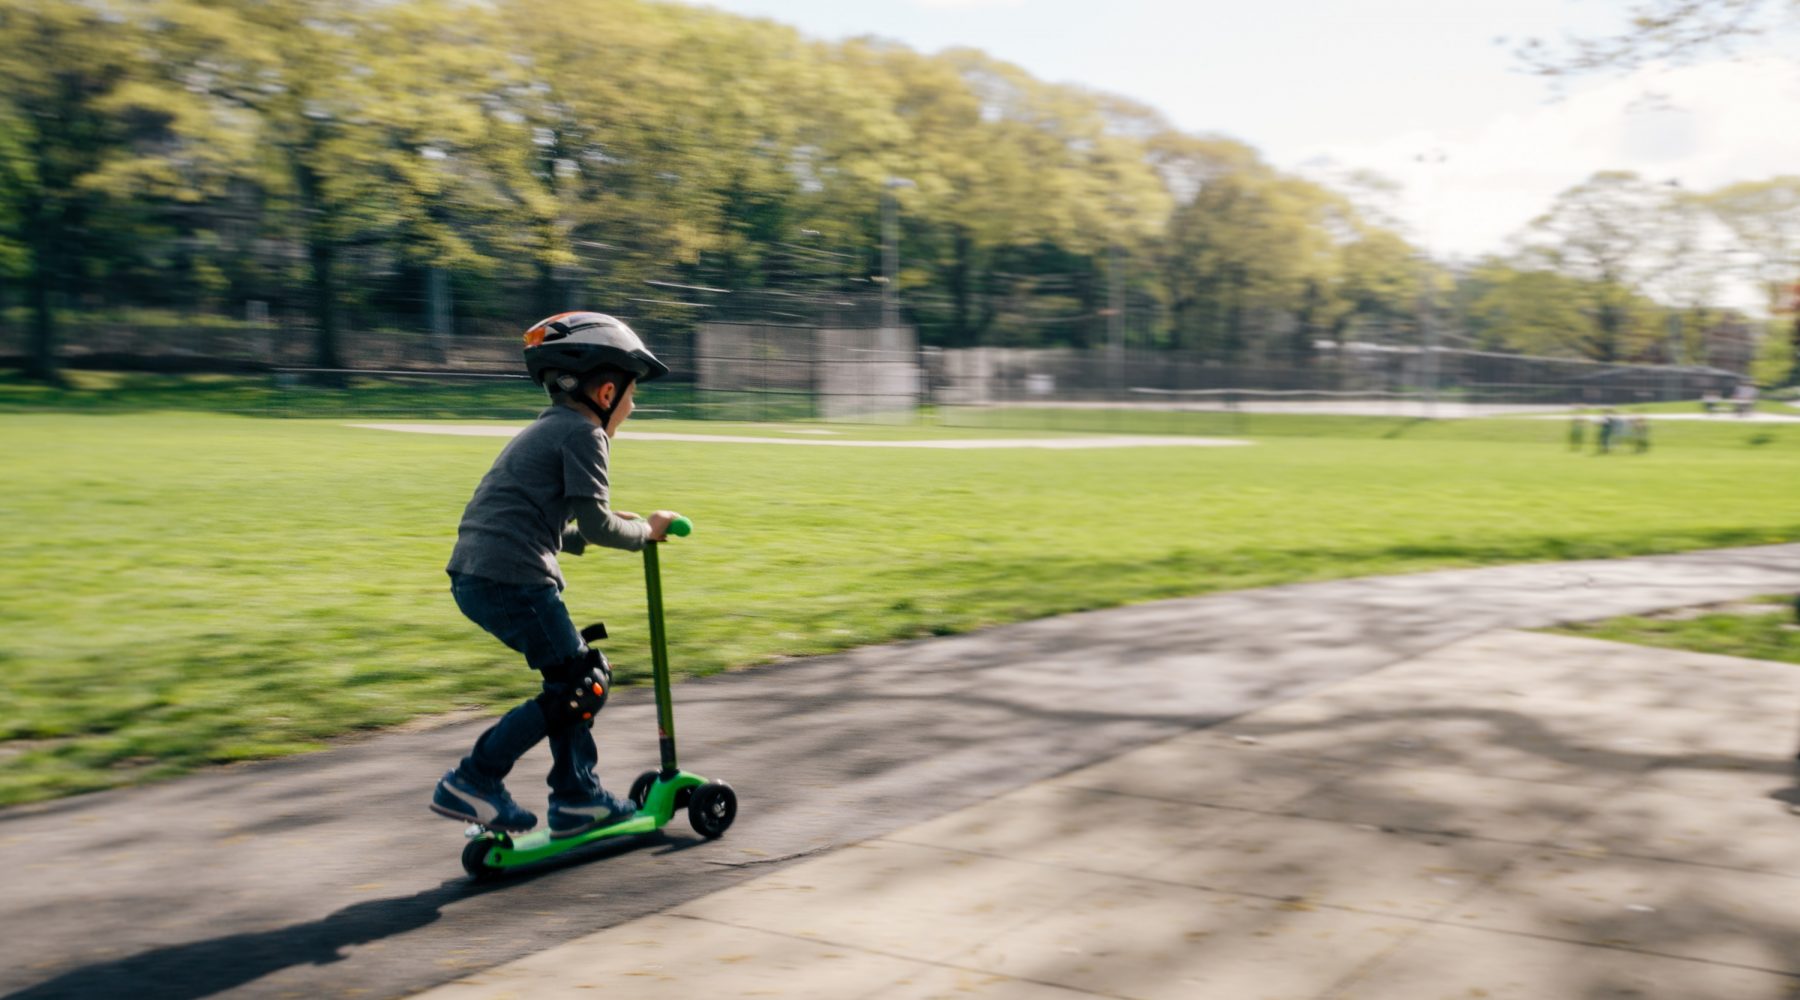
(535, 335)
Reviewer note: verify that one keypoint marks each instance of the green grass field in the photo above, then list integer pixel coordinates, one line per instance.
(185, 588)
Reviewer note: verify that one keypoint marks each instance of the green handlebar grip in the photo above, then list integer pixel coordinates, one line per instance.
(681, 527)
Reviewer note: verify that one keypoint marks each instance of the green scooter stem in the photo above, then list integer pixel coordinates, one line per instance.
(659, 650)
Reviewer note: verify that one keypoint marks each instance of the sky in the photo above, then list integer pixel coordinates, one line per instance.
(1425, 92)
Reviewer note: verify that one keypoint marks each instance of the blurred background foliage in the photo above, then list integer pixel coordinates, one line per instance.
(351, 166)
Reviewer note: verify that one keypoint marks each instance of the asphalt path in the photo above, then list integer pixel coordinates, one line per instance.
(324, 875)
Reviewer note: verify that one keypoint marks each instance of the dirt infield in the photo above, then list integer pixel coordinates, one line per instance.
(1111, 441)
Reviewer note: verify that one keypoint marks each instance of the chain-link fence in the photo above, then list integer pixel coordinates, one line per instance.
(769, 371)
(1006, 376)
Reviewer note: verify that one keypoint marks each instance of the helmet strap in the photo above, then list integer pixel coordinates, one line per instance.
(604, 414)
(619, 382)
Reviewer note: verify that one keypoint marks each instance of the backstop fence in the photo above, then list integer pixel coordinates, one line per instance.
(770, 371)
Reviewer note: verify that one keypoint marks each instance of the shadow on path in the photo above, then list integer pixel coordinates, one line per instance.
(204, 968)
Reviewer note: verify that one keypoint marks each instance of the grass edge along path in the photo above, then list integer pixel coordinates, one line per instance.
(1762, 628)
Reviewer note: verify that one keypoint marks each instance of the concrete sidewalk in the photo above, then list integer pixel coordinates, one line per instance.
(322, 875)
(1512, 816)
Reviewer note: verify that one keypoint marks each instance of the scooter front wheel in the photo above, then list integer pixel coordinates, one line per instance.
(711, 809)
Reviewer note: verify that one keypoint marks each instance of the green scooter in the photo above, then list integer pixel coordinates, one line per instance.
(711, 805)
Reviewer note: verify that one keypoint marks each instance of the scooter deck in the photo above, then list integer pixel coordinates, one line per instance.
(538, 844)
(515, 850)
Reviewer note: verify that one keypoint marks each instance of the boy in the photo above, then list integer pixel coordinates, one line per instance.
(505, 578)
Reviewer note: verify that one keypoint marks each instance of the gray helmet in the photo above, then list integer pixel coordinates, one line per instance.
(580, 342)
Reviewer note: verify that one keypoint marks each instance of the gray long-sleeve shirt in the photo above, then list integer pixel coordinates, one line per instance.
(515, 524)
(595, 523)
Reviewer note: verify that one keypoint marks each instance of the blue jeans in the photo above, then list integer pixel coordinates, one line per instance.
(531, 619)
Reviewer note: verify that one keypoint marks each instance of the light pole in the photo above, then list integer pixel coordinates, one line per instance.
(1115, 318)
(1428, 370)
(1675, 321)
(890, 252)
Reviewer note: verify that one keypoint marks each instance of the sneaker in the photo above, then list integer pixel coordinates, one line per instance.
(603, 808)
(459, 798)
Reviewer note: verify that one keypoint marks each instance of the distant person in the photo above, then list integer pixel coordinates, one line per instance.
(1621, 431)
(1640, 433)
(1609, 428)
(1578, 430)
(1709, 403)
(1744, 399)
(505, 578)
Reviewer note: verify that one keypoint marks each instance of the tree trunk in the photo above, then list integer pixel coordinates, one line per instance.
(322, 254)
(1087, 293)
(42, 363)
(549, 291)
(962, 249)
(1306, 325)
(1608, 322)
(1793, 375)
(1233, 340)
(324, 296)
(45, 271)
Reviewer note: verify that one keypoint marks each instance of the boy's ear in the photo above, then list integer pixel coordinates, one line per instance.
(605, 392)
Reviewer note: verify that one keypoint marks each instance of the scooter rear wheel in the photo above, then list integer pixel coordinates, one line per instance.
(474, 858)
(640, 789)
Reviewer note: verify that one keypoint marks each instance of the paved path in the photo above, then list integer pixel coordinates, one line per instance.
(1513, 816)
(324, 876)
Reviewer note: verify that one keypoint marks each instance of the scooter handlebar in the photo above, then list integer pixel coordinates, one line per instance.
(681, 527)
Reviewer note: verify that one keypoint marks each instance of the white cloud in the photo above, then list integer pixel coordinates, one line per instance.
(1707, 125)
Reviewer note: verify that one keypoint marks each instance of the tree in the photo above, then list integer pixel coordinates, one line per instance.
(1664, 30)
(1008, 174)
(1242, 253)
(1186, 163)
(16, 176)
(372, 126)
(1382, 281)
(63, 62)
(1775, 362)
(1688, 263)
(350, 150)
(1530, 310)
(700, 153)
(1605, 232)
(1764, 216)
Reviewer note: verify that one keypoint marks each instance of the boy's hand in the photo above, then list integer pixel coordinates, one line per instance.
(659, 524)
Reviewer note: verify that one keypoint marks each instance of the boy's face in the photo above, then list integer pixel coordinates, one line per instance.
(604, 396)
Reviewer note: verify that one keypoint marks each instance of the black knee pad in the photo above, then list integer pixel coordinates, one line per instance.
(585, 682)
